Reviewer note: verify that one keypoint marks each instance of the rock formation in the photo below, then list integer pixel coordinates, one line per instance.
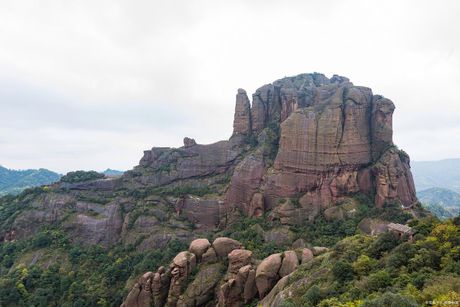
(335, 141)
(305, 144)
(317, 140)
(212, 285)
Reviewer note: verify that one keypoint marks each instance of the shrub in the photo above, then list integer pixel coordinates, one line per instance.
(80, 176)
(364, 264)
(342, 271)
(384, 243)
(390, 300)
(400, 255)
(377, 281)
(313, 296)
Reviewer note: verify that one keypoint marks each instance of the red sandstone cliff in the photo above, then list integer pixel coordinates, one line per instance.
(308, 137)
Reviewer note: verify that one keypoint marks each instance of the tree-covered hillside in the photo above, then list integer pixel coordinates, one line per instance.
(14, 181)
(383, 271)
(49, 269)
(442, 202)
(437, 174)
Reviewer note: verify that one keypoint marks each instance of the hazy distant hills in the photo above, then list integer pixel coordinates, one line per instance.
(438, 185)
(112, 172)
(14, 181)
(441, 196)
(437, 174)
(442, 202)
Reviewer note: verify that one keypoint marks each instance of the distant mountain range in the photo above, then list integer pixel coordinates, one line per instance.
(112, 172)
(437, 174)
(438, 186)
(14, 181)
(442, 202)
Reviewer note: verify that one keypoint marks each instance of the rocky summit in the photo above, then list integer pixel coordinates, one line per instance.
(310, 161)
(309, 138)
(305, 140)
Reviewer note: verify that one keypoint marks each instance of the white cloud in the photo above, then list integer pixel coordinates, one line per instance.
(90, 84)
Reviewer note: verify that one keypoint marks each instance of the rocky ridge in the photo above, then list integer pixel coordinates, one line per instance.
(200, 276)
(305, 144)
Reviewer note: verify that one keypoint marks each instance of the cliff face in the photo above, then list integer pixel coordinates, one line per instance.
(305, 140)
(305, 146)
(308, 137)
(335, 141)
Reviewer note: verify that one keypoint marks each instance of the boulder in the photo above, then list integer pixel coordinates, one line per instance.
(239, 290)
(306, 256)
(181, 268)
(267, 274)
(270, 298)
(237, 259)
(289, 264)
(250, 289)
(141, 294)
(334, 213)
(199, 247)
(299, 243)
(223, 246)
(160, 286)
(200, 291)
(318, 250)
(209, 256)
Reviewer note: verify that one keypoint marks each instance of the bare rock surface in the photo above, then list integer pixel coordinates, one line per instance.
(199, 247)
(267, 273)
(223, 246)
(235, 281)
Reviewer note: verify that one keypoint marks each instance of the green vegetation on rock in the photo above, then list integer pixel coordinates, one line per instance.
(80, 176)
(15, 181)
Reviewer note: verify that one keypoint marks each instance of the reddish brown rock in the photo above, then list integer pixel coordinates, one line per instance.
(256, 206)
(160, 286)
(209, 256)
(245, 183)
(161, 166)
(242, 120)
(223, 246)
(237, 259)
(394, 180)
(290, 263)
(250, 289)
(199, 247)
(306, 255)
(318, 250)
(331, 131)
(204, 213)
(267, 274)
(141, 294)
(333, 143)
(180, 268)
(200, 291)
(240, 290)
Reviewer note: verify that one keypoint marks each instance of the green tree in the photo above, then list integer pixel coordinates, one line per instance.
(342, 271)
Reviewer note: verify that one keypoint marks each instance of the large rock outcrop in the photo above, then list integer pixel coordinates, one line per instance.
(211, 284)
(335, 140)
(305, 144)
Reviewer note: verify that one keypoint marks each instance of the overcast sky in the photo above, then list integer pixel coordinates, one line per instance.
(91, 84)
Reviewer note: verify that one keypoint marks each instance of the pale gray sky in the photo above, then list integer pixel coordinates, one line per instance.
(91, 84)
